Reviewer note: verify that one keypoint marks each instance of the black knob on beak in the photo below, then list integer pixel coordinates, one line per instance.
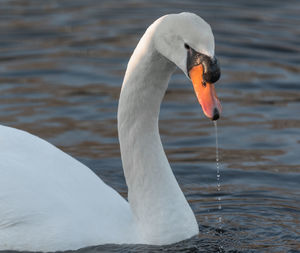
(212, 70)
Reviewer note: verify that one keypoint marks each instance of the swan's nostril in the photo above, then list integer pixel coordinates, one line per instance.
(216, 114)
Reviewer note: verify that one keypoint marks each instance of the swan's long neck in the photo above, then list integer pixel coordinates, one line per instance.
(160, 209)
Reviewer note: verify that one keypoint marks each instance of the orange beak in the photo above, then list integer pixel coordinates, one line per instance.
(205, 93)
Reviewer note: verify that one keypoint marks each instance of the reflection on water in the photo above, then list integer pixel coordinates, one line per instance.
(62, 64)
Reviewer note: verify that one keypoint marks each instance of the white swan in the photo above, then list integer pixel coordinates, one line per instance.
(49, 201)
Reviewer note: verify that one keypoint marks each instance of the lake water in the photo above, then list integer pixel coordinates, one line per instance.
(61, 68)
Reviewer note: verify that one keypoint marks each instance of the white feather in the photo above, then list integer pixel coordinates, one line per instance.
(50, 201)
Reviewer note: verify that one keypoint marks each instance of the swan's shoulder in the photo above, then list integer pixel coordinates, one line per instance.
(45, 189)
(29, 159)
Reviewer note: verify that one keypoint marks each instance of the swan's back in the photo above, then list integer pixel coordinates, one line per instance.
(50, 200)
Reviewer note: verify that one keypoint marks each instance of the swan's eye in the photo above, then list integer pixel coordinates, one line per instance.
(186, 46)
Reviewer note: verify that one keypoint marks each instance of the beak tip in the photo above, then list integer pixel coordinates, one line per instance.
(216, 114)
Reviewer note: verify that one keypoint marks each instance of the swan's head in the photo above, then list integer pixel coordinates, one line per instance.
(187, 40)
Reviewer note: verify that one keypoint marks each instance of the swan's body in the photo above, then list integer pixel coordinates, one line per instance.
(50, 201)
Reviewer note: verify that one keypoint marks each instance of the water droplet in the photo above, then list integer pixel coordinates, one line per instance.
(218, 175)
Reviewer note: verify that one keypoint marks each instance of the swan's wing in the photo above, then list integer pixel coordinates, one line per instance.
(50, 200)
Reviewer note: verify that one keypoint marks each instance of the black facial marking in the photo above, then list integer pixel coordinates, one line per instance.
(186, 46)
(211, 69)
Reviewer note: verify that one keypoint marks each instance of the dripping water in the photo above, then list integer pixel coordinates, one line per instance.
(219, 219)
(218, 178)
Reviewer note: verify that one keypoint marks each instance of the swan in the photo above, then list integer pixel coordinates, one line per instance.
(49, 201)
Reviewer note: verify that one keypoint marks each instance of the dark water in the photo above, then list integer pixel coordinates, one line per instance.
(61, 67)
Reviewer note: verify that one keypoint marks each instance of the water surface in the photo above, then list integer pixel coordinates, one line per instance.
(62, 64)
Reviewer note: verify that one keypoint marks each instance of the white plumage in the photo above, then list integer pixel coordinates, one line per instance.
(50, 201)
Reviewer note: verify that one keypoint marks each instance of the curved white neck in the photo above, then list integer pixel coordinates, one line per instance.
(160, 209)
